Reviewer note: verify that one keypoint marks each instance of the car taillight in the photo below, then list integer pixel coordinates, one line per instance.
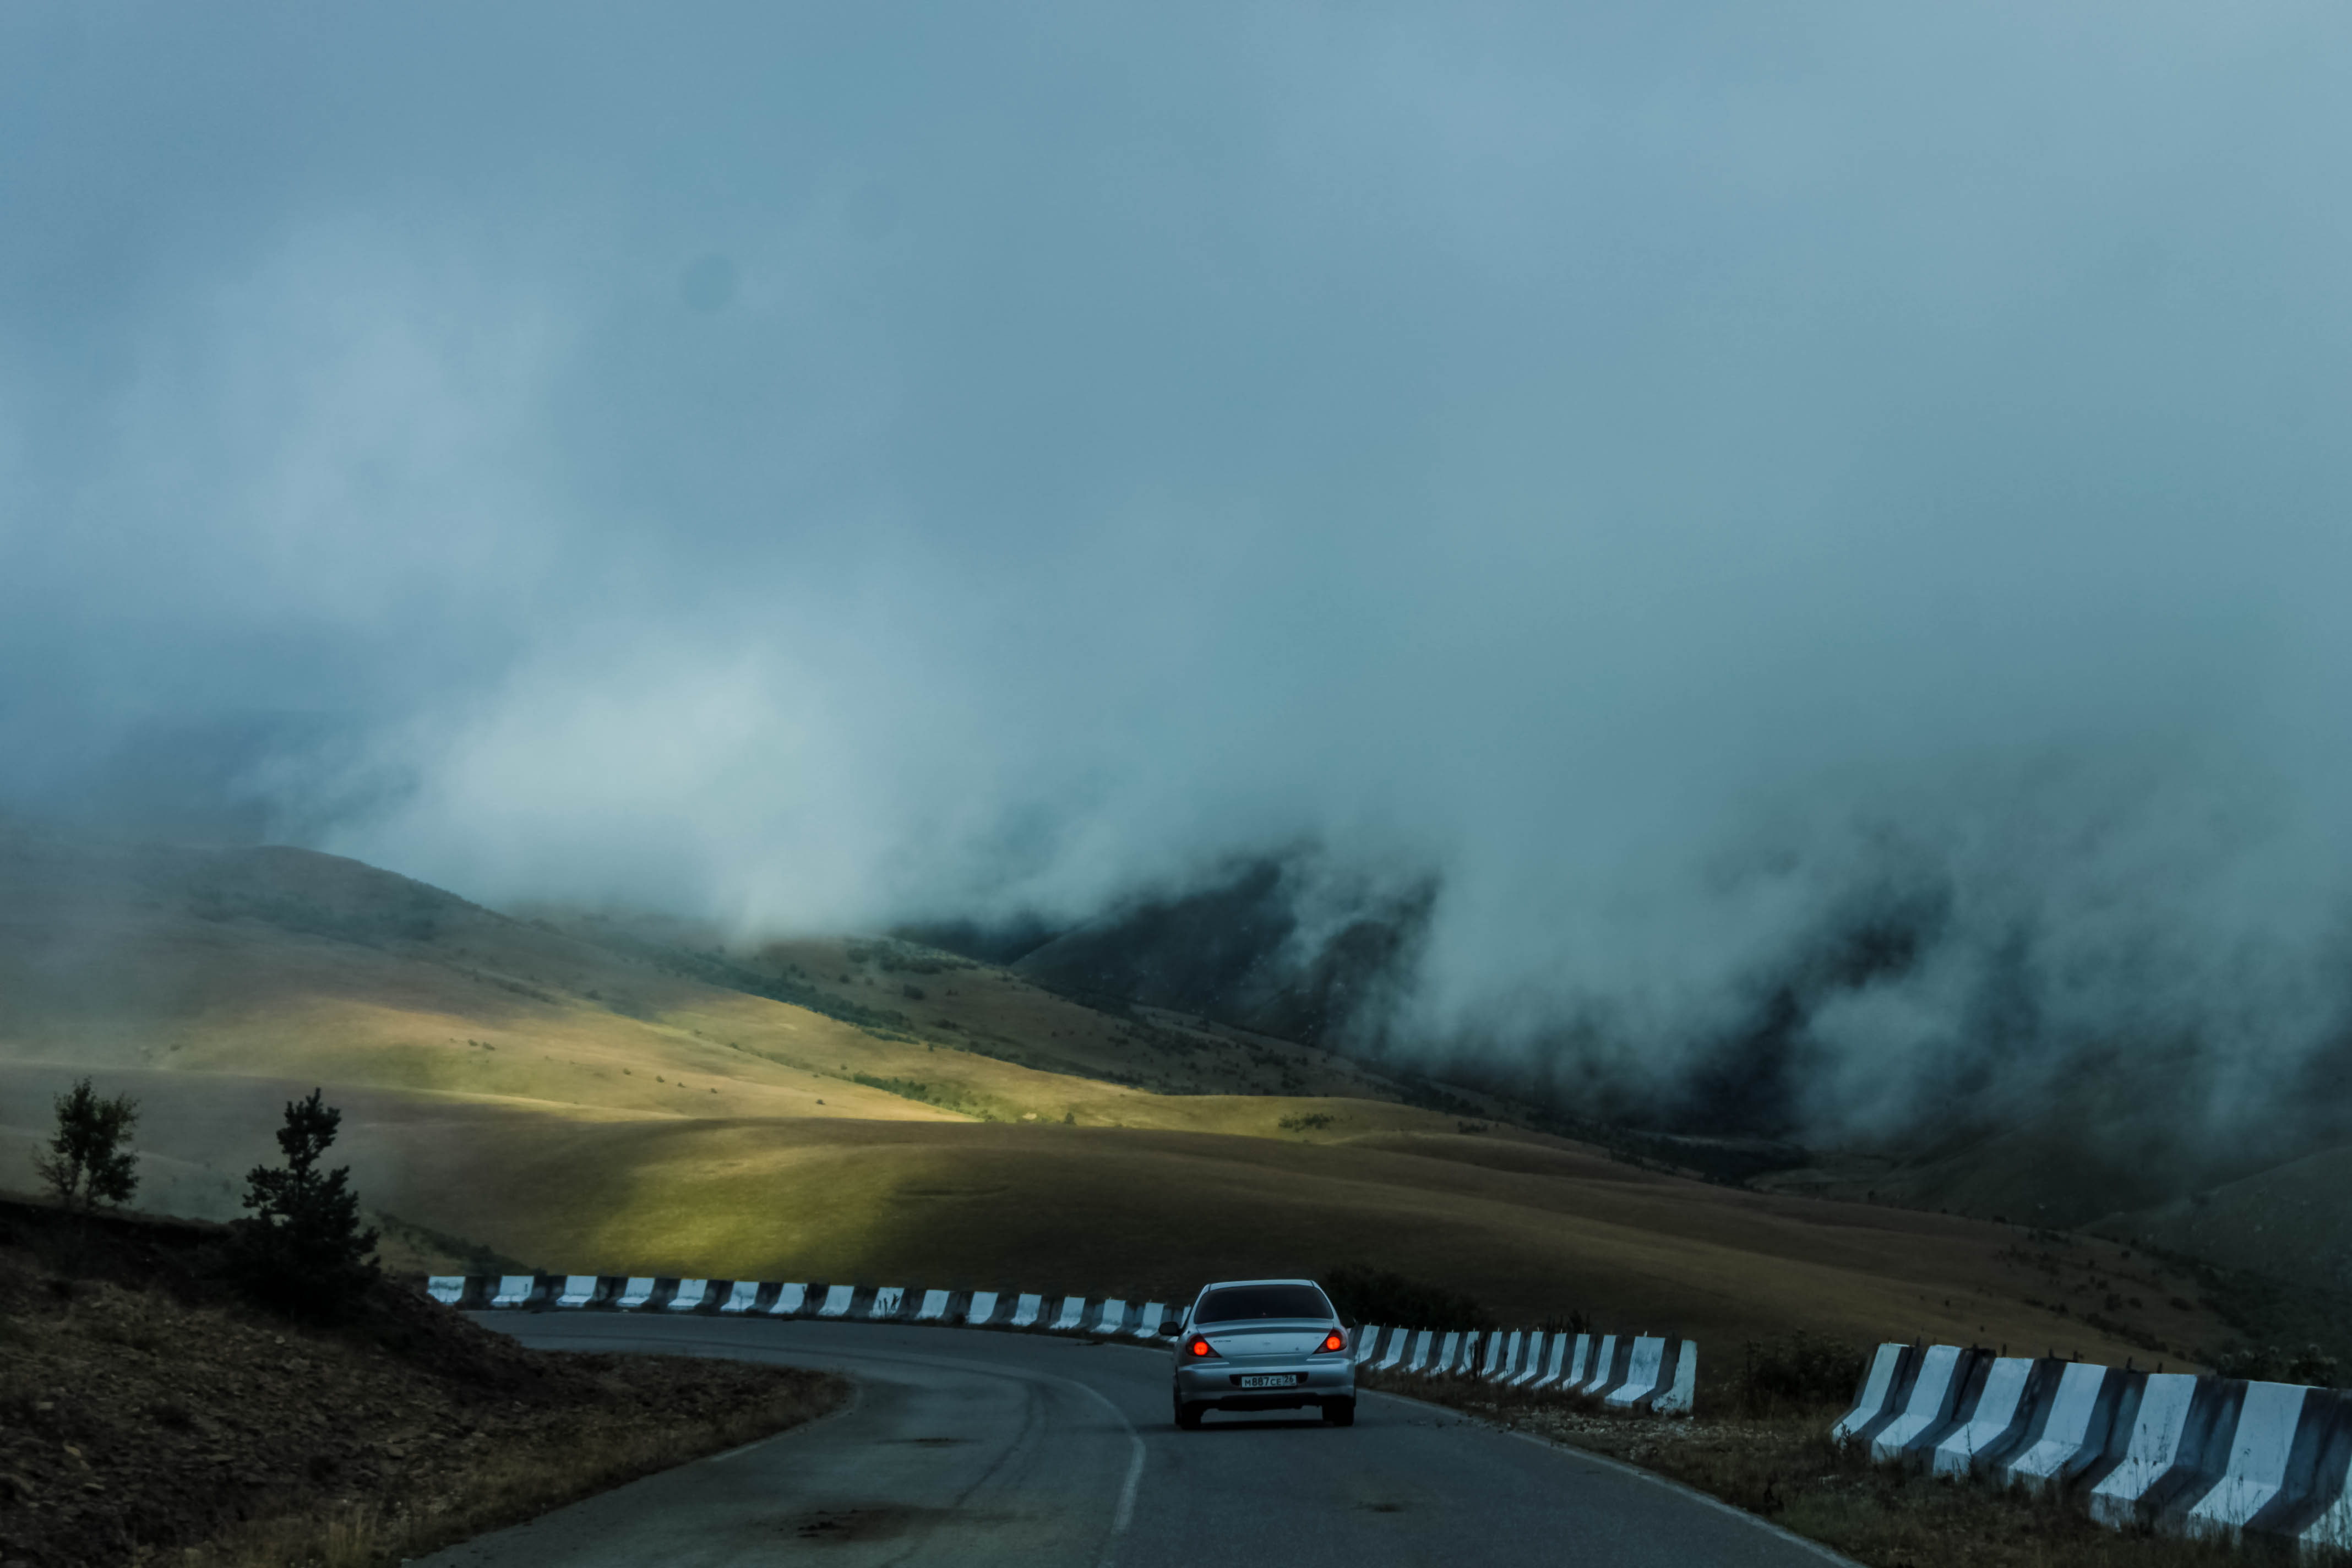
(1334, 1341)
(1199, 1347)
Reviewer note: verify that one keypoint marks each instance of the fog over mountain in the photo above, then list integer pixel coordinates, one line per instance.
(1806, 549)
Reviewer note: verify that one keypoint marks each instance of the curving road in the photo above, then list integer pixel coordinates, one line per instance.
(966, 1447)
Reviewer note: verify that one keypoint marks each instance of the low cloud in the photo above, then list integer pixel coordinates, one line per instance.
(1707, 502)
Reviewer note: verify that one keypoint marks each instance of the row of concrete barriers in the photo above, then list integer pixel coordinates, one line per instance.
(1623, 1371)
(763, 1298)
(2182, 1454)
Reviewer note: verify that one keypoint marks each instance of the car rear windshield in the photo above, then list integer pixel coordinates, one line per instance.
(1238, 1303)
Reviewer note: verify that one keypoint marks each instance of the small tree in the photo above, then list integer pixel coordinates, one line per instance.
(303, 1251)
(88, 1162)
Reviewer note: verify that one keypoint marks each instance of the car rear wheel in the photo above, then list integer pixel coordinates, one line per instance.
(1188, 1416)
(1341, 1412)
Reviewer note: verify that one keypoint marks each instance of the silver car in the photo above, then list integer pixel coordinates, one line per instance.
(1263, 1345)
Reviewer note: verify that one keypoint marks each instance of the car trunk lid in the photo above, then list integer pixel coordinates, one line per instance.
(1265, 1340)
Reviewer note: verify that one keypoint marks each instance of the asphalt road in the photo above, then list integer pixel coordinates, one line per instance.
(965, 1446)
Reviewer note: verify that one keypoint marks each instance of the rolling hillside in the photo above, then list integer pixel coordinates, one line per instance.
(604, 1096)
(281, 962)
(2291, 1221)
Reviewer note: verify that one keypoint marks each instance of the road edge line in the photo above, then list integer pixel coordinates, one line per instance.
(846, 1407)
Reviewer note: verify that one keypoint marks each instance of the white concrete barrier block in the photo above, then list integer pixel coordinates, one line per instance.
(1073, 1315)
(579, 1289)
(1365, 1345)
(791, 1299)
(1619, 1365)
(1531, 1363)
(1420, 1358)
(1112, 1319)
(1596, 1377)
(1399, 1341)
(1508, 1366)
(446, 1289)
(981, 1308)
(514, 1290)
(887, 1303)
(2258, 1457)
(1147, 1327)
(2158, 1430)
(1877, 1392)
(1932, 1391)
(1643, 1369)
(1494, 1355)
(1556, 1367)
(1026, 1311)
(934, 1307)
(742, 1295)
(1579, 1364)
(1682, 1395)
(2332, 1530)
(2068, 1442)
(1999, 1412)
(837, 1300)
(2330, 1526)
(635, 1294)
(690, 1296)
(1448, 1351)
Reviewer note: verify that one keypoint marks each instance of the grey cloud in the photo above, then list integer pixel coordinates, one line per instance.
(1678, 478)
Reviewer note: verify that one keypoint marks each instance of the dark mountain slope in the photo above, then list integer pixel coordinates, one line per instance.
(1243, 951)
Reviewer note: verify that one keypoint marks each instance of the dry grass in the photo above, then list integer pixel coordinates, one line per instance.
(98, 971)
(1533, 1232)
(2290, 1221)
(585, 1110)
(1143, 1213)
(580, 1110)
(995, 1011)
(147, 1411)
(1785, 1468)
(505, 1487)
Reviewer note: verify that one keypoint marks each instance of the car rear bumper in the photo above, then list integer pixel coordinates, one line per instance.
(1217, 1385)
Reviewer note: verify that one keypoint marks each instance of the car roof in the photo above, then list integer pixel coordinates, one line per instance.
(1220, 1284)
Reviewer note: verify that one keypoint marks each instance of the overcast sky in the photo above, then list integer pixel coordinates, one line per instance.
(1672, 470)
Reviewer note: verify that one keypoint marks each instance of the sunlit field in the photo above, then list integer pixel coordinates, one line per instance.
(575, 1108)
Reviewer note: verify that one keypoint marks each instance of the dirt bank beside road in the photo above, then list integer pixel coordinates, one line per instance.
(148, 1415)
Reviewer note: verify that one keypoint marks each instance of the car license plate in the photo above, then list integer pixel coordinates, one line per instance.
(1273, 1380)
